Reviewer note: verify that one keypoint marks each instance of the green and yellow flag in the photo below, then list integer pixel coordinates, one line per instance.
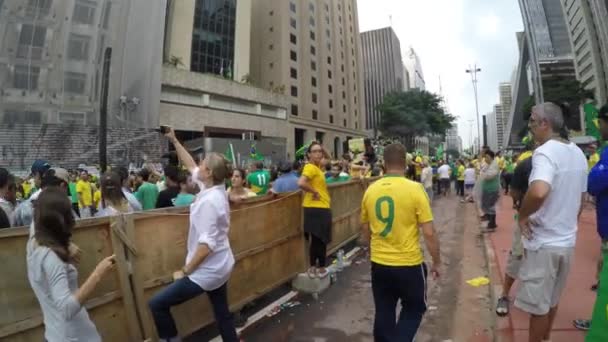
(591, 121)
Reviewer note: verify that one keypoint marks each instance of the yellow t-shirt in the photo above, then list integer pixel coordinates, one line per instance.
(316, 177)
(461, 173)
(593, 159)
(524, 156)
(26, 189)
(394, 207)
(84, 193)
(501, 162)
(96, 198)
(418, 167)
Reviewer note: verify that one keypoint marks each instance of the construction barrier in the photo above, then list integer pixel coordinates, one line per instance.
(265, 236)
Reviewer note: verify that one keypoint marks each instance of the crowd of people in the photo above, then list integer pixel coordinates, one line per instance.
(543, 181)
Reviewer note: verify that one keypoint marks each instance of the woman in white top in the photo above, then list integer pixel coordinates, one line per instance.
(209, 260)
(51, 260)
(470, 175)
(113, 200)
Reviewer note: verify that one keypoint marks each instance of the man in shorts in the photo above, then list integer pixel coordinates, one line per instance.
(519, 186)
(548, 219)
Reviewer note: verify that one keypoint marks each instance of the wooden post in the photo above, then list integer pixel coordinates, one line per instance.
(122, 268)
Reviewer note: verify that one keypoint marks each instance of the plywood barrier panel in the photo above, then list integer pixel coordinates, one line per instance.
(21, 317)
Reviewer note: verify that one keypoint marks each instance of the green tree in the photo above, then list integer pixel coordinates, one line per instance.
(413, 113)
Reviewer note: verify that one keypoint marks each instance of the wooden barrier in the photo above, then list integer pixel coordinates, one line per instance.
(265, 236)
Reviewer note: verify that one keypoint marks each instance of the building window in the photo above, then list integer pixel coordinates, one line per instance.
(313, 66)
(311, 7)
(326, 7)
(84, 12)
(340, 19)
(31, 42)
(311, 20)
(331, 103)
(330, 89)
(26, 117)
(313, 51)
(341, 43)
(329, 74)
(343, 81)
(314, 98)
(294, 73)
(315, 114)
(331, 119)
(328, 47)
(271, 65)
(313, 81)
(312, 35)
(72, 118)
(78, 47)
(36, 8)
(293, 55)
(271, 47)
(213, 55)
(344, 122)
(74, 82)
(294, 110)
(292, 38)
(26, 77)
(344, 108)
(292, 22)
(292, 7)
(342, 67)
(294, 91)
(271, 13)
(271, 29)
(344, 95)
(355, 103)
(356, 125)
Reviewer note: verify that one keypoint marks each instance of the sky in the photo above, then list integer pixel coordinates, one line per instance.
(448, 36)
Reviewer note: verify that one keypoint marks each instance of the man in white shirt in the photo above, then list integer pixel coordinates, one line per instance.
(548, 219)
(444, 178)
(426, 177)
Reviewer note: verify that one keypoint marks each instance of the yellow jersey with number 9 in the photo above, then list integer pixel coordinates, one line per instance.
(394, 207)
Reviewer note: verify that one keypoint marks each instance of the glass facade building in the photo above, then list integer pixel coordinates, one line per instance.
(213, 37)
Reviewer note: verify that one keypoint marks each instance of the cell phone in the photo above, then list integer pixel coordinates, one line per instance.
(163, 129)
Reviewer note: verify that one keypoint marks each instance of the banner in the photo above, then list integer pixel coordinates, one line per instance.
(592, 125)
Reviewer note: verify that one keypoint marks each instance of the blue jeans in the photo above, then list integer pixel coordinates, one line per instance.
(389, 285)
(181, 291)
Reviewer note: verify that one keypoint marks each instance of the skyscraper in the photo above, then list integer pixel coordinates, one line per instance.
(414, 67)
(383, 70)
(312, 50)
(586, 37)
(547, 36)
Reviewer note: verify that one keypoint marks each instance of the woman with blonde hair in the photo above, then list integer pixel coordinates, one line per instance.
(113, 200)
(209, 261)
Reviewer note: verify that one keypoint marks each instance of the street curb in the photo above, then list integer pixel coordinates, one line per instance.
(488, 255)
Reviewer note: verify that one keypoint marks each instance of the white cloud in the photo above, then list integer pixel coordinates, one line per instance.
(448, 36)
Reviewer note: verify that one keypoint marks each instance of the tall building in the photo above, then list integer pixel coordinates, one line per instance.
(585, 35)
(520, 93)
(311, 50)
(62, 61)
(414, 67)
(492, 130)
(547, 36)
(208, 87)
(383, 71)
(453, 140)
(498, 120)
(599, 10)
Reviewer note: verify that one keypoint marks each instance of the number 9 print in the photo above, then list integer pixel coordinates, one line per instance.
(388, 219)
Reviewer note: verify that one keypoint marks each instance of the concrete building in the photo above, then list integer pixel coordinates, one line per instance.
(61, 60)
(208, 94)
(547, 36)
(599, 10)
(414, 67)
(383, 70)
(521, 90)
(311, 51)
(453, 140)
(498, 119)
(586, 38)
(492, 130)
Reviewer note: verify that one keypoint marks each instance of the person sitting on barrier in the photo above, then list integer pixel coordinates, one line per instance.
(52, 274)
(113, 201)
(317, 212)
(238, 192)
(209, 261)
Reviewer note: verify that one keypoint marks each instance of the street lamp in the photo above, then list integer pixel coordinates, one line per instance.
(473, 71)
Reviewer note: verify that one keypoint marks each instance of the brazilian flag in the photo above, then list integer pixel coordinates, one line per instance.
(591, 121)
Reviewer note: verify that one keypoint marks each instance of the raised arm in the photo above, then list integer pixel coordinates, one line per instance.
(183, 155)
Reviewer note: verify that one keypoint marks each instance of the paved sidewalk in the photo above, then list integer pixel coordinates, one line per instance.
(577, 300)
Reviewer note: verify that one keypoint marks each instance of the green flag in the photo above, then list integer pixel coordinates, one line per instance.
(229, 154)
(591, 121)
(439, 153)
(301, 152)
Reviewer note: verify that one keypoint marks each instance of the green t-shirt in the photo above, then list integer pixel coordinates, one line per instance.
(509, 166)
(337, 180)
(259, 181)
(147, 195)
(183, 200)
(73, 192)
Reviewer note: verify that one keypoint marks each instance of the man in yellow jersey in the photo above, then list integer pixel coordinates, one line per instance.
(392, 211)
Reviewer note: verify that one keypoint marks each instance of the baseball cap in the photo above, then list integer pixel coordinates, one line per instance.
(40, 166)
(61, 173)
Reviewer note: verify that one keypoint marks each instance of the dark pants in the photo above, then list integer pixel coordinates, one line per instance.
(507, 181)
(460, 188)
(389, 285)
(181, 291)
(318, 251)
(444, 186)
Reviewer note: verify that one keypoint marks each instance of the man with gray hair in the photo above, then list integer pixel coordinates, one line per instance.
(548, 219)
